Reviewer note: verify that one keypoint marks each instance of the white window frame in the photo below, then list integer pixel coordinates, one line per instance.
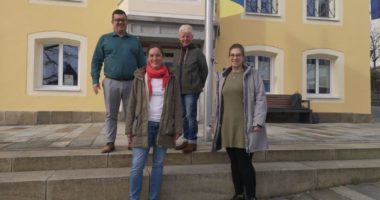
(271, 63)
(35, 66)
(317, 76)
(332, 15)
(336, 20)
(75, 3)
(259, 5)
(336, 74)
(279, 16)
(60, 85)
(277, 65)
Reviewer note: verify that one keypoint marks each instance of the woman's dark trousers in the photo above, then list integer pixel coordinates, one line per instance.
(243, 172)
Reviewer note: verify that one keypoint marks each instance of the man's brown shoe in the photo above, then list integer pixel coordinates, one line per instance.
(190, 148)
(182, 146)
(109, 147)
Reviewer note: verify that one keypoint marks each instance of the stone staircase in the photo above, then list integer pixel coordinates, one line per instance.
(87, 174)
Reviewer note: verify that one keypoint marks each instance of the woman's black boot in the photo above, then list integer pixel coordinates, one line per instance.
(238, 197)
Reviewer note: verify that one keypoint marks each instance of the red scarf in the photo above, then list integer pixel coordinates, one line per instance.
(162, 72)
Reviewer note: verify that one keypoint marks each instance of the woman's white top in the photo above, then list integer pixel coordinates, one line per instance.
(156, 101)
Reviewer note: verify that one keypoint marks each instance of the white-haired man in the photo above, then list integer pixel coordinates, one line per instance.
(191, 69)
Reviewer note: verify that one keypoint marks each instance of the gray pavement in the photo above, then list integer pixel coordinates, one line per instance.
(91, 136)
(364, 191)
(289, 136)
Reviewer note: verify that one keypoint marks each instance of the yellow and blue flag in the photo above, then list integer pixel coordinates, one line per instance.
(231, 7)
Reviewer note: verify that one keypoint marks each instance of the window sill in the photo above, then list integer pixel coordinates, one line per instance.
(262, 15)
(320, 96)
(324, 19)
(58, 89)
(74, 3)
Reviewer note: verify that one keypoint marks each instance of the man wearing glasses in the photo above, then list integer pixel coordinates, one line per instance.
(121, 54)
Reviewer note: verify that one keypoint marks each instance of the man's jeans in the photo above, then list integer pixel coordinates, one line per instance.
(139, 157)
(189, 117)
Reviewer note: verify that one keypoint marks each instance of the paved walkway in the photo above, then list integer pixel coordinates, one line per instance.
(90, 136)
(281, 136)
(364, 191)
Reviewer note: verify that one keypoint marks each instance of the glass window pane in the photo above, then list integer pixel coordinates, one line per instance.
(169, 64)
(266, 85)
(264, 71)
(70, 65)
(266, 6)
(311, 76)
(251, 6)
(250, 61)
(264, 67)
(324, 77)
(311, 8)
(323, 8)
(50, 64)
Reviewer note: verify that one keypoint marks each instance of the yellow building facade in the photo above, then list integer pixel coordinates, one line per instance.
(318, 48)
(319, 52)
(34, 31)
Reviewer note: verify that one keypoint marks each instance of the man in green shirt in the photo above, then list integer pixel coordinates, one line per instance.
(121, 54)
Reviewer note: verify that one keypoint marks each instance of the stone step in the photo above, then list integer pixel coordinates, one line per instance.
(16, 161)
(188, 182)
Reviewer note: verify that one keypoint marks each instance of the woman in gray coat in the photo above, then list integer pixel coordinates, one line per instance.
(239, 120)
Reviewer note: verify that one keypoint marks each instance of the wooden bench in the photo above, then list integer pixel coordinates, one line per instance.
(282, 104)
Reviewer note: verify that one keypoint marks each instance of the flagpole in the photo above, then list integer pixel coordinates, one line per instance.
(209, 38)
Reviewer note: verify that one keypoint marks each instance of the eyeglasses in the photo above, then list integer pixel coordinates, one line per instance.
(120, 20)
(236, 55)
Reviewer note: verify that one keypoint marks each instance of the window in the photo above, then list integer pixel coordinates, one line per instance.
(60, 65)
(263, 65)
(56, 64)
(318, 76)
(323, 74)
(321, 9)
(268, 7)
(269, 62)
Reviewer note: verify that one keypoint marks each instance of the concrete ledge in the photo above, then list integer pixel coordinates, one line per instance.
(356, 153)
(300, 155)
(119, 159)
(334, 173)
(19, 118)
(43, 117)
(52, 160)
(23, 185)
(5, 165)
(92, 184)
(344, 117)
(92, 158)
(209, 158)
(63, 117)
(188, 182)
(59, 162)
(283, 178)
(2, 118)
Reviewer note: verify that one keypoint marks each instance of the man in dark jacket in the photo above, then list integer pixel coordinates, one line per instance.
(191, 69)
(121, 54)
